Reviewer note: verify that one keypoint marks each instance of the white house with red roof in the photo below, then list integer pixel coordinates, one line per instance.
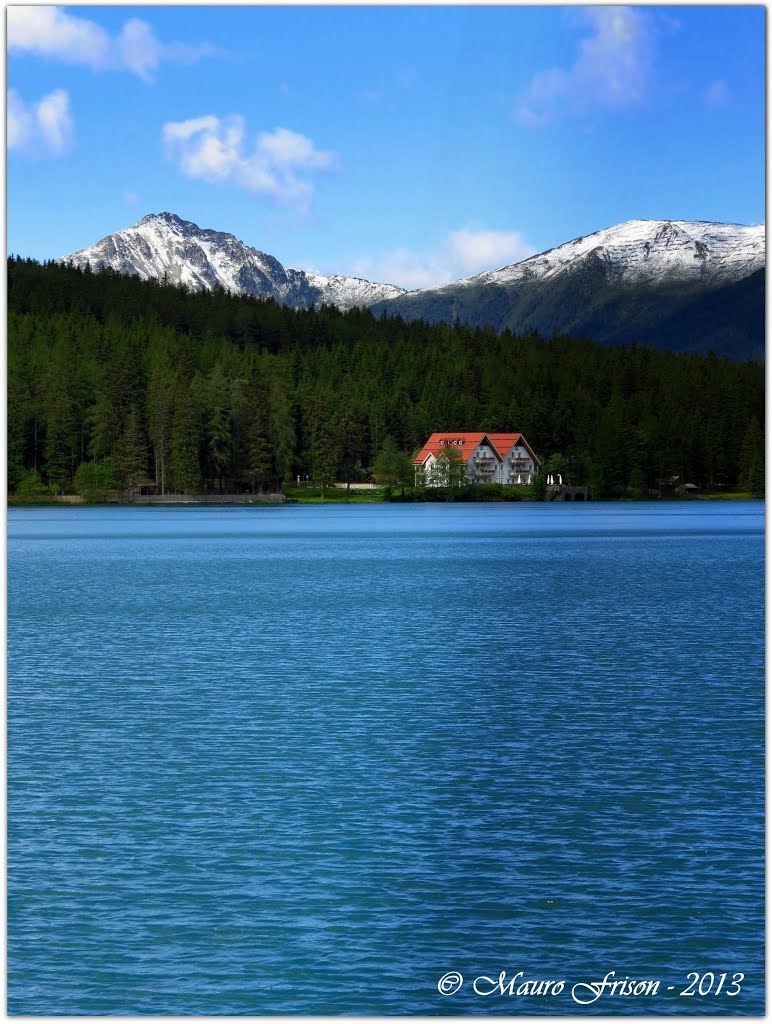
(487, 458)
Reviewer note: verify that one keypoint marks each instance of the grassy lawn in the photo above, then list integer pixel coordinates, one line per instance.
(730, 496)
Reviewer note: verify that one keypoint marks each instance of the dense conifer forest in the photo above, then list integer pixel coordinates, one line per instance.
(115, 383)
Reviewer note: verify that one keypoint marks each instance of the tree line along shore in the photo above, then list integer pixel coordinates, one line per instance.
(116, 386)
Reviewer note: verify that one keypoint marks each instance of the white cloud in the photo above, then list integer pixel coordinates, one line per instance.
(42, 126)
(54, 121)
(49, 32)
(289, 149)
(138, 49)
(612, 70)
(53, 33)
(278, 165)
(460, 254)
(18, 121)
(474, 250)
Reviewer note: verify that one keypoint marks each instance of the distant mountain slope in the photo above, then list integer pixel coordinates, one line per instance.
(680, 285)
(162, 244)
(686, 286)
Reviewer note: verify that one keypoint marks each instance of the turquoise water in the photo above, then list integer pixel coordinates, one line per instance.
(309, 760)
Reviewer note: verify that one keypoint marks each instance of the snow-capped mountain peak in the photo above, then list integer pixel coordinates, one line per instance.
(163, 245)
(650, 251)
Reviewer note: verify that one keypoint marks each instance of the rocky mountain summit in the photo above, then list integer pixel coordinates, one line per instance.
(163, 245)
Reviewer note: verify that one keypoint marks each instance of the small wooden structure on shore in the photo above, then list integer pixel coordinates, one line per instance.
(565, 492)
(687, 490)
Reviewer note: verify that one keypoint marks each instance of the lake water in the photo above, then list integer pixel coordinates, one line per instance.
(309, 760)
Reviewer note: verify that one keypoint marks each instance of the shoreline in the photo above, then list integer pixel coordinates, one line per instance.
(70, 500)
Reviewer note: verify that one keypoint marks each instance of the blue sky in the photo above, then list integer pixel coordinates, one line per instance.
(413, 145)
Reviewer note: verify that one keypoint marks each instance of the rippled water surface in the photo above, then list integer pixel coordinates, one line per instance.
(308, 760)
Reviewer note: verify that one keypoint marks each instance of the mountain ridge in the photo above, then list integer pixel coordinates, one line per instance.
(645, 281)
(164, 244)
(642, 280)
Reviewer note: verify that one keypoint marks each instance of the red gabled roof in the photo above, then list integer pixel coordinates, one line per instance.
(503, 443)
(438, 443)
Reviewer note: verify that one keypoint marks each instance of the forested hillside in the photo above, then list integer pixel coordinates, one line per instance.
(116, 380)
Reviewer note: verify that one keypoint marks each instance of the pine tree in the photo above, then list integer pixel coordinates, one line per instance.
(18, 430)
(387, 465)
(751, 454)
(281, 427)
(59, 452)
(219, 437)
(103, 426)
(324, 454)
(160, 404)
(258, 467)
(349, 429)
(130, 453)
(756, 483)
(184, 443)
